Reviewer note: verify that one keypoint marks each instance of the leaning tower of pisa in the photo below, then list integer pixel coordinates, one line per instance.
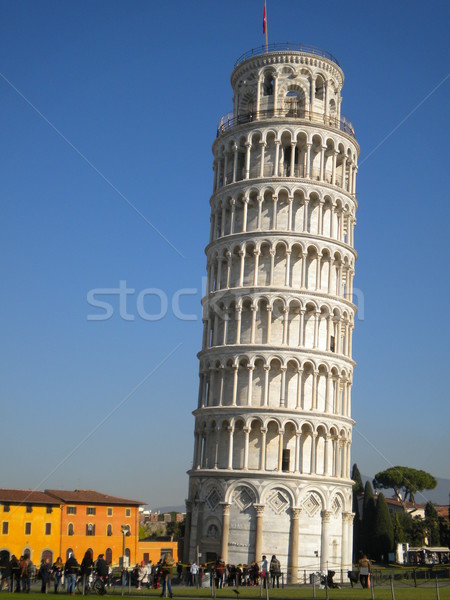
(273, 426)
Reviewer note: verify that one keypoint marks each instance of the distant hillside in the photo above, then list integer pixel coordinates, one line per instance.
(440, 495)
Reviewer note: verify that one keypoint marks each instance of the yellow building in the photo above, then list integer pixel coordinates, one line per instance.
(30, 523)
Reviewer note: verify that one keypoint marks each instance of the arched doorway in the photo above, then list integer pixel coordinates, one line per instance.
(47, 554)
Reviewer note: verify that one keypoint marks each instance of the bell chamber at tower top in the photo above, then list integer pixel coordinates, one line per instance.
(286, 122)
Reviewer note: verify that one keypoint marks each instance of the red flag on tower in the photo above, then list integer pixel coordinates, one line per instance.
(264, 18)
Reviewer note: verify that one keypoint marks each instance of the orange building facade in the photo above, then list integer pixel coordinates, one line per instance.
(57, 522)
(154, 550)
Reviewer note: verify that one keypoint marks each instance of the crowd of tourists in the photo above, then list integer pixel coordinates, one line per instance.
(231, 575)
(17, 573)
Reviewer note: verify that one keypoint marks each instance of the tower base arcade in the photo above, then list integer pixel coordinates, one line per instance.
(307, 525)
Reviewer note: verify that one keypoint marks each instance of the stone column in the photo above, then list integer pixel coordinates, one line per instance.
(313, 469)
(346, 550)
(266, 384)
(319, 256)
(263, 448)
(303, 276)
(259, 509)
(233, 214)
(324, 541)
(253, 324)
(263, 147)
(322, 163)
(293, 546)
(269, 323)
(246, 440)
(235, 151)
(230, 447)
(222, 372)
(277, 157)
(241, 267)
(250, 384)
(244, 216)
(333, 173)
(283, 387)
(292, 165)
(299, 388)
(272, 266)
(219, 274)
(235, 380)
(308, 160)
(247, 160)
(216, 453)
(238, 324)
(229, 265)
(326, 460)
(226, 318)
(285, 326)
(260, 201)
(212, 372)
(280, 449)
(225, 530)
(255, 273)
(290, 214)
(302, 327)
(321, 216)
(288, 262)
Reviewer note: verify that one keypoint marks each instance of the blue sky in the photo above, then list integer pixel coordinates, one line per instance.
(108, 113)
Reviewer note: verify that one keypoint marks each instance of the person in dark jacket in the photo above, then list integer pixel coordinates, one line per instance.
(14, 574)
(71, 570)
(101, 567)
(45, 573)
(275, 571)
(87, 564)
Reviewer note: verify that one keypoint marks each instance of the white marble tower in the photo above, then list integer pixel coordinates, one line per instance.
(273, 426)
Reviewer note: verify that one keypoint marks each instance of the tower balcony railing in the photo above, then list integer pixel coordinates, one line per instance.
(303, 48)
(229, 120)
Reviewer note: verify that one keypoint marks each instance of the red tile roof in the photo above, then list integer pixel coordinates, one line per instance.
(90, 497)
(26, 497)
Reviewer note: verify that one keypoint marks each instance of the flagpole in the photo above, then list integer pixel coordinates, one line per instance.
(265, 26)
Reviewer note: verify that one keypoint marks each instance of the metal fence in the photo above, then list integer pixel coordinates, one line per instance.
(283, 46)
(229, 121)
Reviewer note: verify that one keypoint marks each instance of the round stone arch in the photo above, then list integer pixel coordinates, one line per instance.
(269, 132)
(312, 500)
(212, 494)
(338, 504)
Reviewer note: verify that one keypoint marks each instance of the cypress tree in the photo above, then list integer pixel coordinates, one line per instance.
(368, 518)
(399, 534)
(383, 533)
(358, 486)
(432, 522)
(356, 528)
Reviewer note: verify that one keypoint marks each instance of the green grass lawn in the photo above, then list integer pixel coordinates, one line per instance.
(289, 593)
